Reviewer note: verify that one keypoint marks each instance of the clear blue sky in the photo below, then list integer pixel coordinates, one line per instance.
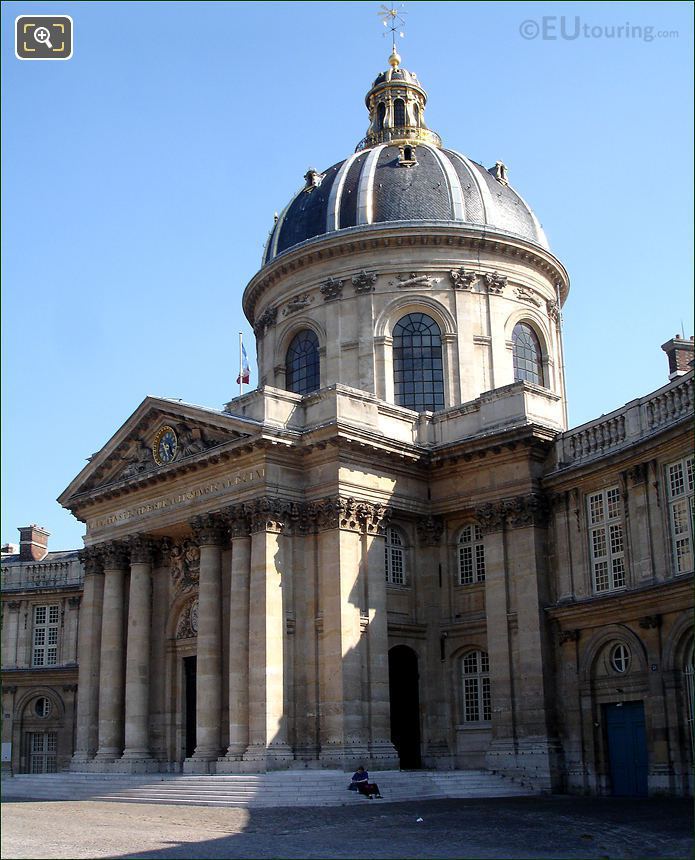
(140, 180)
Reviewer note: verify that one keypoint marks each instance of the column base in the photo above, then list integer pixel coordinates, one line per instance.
(345, 756)
(107, 755)
(199, 765)
(136, 765)
(269, 757)
(383, 755)
(80, 759)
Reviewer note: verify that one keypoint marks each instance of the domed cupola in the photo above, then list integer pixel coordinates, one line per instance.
(400, 172)
(396, 104)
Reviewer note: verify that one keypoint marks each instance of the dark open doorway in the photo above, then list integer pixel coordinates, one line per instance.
(189, 675)
(405, 705)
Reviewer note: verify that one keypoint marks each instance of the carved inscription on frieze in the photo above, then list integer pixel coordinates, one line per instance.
(182, 499)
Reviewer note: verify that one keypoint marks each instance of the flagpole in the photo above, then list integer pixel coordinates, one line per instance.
(241, 366)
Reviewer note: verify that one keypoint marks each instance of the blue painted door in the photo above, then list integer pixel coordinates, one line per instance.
(627, 748)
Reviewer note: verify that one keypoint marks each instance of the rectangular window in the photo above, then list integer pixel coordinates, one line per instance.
(679, 487)
(606, 540)
(43, 747)
(471, 556)
(45, 637)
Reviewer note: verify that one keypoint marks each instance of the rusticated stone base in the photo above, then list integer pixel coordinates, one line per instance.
(535, 761)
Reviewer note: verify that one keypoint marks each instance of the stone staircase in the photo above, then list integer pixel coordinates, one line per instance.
(275, 789)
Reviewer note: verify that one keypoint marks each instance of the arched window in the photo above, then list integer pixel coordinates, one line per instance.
(395, 557)
(380, 116)
(418, 375)
(471, 556)
(399, 113)
(475, 671)
(528, 359)
(302, 363)
(416, 114)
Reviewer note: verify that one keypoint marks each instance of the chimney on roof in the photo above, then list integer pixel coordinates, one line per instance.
(680, 354)
(33, 543)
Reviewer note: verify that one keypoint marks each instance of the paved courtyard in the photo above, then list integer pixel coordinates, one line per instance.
(525, 827)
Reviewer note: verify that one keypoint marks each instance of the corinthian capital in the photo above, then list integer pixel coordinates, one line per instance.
(92, 561)
(530, 510)
(115, 555)
(209, 529)
(142, 549)
(490, 517)
(268, 513)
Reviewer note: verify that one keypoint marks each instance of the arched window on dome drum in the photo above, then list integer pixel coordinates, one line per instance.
(399, 113)
(380, 116)
(418, 374)
(528, 359)
(416, 114)
(302, 364)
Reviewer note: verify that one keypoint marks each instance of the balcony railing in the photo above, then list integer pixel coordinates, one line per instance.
(416, 135)
(634, 421)
(29, 577)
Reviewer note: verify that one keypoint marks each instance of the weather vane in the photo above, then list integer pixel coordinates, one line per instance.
(393, 19)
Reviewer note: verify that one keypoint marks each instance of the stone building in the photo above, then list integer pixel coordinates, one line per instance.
(393, 552)
(41, 593)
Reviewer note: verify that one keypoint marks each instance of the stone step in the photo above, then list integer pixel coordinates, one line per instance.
(280, 788)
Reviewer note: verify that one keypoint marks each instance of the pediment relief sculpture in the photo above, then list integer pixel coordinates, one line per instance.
(161, 442)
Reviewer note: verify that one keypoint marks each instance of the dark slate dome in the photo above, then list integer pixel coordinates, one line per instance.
(400, 173)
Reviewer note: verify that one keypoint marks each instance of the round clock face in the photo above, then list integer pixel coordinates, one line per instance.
(165, 446)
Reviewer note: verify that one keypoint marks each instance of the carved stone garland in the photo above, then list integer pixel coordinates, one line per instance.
(187, 626)
(184, 564)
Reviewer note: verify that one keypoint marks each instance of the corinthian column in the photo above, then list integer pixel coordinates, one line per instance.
(268, 747)
(111, 691)
(239, 638)
(209, 532)
(137, 672)
(89, 643)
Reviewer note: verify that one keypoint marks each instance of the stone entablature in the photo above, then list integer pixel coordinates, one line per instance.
(407, 234)
(631, 424)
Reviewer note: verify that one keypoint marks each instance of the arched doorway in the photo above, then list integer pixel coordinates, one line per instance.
(404, 693)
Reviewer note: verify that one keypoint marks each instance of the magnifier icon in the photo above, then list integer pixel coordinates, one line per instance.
(43, 36)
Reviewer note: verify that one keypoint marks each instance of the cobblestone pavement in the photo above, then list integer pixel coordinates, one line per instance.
(526, 827)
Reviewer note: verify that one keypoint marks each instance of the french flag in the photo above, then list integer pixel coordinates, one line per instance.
(245, 373)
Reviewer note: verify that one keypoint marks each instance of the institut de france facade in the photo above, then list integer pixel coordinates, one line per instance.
(393, 552)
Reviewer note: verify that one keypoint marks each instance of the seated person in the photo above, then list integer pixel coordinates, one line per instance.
(360, 779)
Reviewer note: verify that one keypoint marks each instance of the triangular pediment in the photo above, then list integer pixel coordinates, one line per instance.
(160, 436)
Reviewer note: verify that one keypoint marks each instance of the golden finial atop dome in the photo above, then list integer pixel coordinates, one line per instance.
(394, 59)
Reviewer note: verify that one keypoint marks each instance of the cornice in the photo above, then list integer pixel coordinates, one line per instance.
(352, 240)
(646, 600)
